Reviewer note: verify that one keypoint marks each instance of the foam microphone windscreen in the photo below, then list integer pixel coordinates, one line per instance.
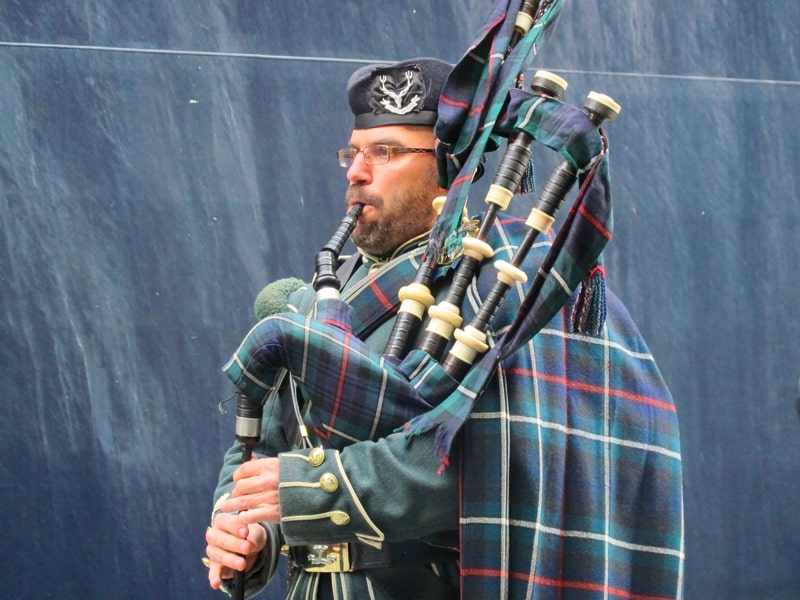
(274, 298)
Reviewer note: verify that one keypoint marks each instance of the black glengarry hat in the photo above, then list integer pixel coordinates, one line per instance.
(404, 93)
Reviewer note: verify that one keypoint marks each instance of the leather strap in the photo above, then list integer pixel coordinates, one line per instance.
(398, 554)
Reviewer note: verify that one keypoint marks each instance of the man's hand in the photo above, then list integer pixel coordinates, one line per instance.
(255, 493)
(232, 546)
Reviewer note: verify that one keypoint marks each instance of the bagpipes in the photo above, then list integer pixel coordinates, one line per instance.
(414, 388)
(434, 386)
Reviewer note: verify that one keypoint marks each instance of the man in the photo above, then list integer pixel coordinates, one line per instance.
(566, 482)
(392, 171)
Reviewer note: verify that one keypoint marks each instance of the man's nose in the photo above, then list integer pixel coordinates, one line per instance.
(359, 171)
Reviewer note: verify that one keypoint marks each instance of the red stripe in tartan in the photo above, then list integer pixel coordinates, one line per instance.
(476, 110)
(557, 583)
(597, 389)
(333, 322)
(452, 102)
(339, 396)
(462, 179)
(505, 219)
(598, 225)
(385, 302)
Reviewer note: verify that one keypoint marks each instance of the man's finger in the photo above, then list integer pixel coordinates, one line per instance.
(264, 514)
(269, 498)
(214, 578)
(228, 559)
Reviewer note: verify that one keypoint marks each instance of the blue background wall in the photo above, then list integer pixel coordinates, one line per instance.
(160, 162)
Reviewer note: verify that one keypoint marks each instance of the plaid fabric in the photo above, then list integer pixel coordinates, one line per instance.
(322, 347)
(356, 394)
(570, 468)
(577, 248)
(472, 99)
(571, 472)
(376, 298)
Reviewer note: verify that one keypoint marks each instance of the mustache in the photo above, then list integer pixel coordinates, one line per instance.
(355, 194)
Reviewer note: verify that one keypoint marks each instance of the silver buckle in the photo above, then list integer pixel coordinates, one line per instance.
(325, 558)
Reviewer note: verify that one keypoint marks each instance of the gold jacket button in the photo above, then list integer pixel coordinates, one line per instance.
(329, 483)
(316, 457)
(340, 518)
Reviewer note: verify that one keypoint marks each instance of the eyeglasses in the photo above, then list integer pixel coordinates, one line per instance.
(377, 154)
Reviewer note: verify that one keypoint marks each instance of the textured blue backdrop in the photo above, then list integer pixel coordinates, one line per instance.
(161, 161)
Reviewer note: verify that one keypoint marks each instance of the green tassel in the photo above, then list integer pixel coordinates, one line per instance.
(589, 311)
(527, 184)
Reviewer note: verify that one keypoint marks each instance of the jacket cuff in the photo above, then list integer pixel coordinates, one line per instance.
(318, 502)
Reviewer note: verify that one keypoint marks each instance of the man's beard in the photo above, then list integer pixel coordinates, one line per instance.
(410, 216)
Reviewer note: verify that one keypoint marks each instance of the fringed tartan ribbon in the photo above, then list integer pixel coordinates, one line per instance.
(473, 98)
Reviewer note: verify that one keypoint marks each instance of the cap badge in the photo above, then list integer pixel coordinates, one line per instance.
(398, 96)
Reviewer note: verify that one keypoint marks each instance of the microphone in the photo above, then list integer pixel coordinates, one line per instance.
(274, 298)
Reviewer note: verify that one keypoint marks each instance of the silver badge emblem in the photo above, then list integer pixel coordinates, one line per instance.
(398, 93)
